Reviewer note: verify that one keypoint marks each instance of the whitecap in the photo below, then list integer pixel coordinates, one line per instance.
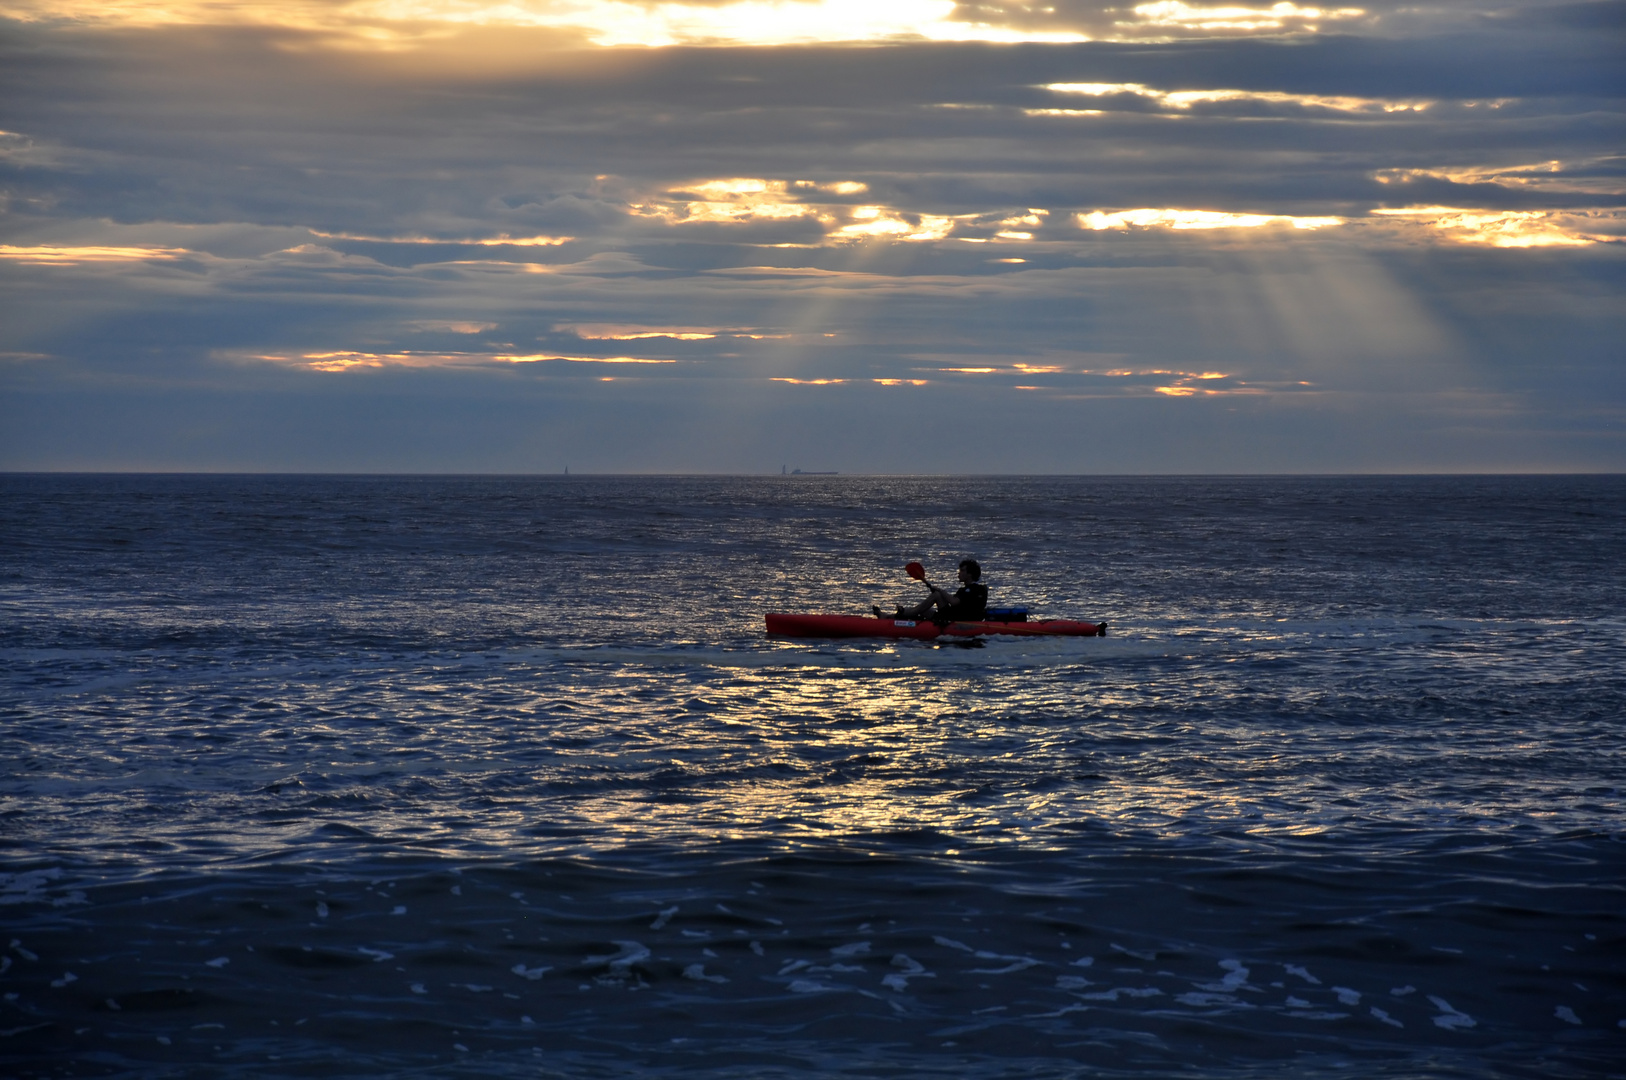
(1018, 963)
(632, 952)
(1207, 1000)
(1450, 1019)
(1128, 991)
(1385, 1017)
(1146, 956)
(697, 972)
(809, 986)
(911, 969)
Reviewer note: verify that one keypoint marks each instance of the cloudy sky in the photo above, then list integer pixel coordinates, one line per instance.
(860, 235)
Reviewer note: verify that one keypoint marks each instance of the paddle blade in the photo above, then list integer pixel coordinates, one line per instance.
(916, 571)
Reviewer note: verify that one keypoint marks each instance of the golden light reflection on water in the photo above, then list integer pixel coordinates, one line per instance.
(821, 754)
(965, 746)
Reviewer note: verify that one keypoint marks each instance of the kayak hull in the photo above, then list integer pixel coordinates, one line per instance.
(850, 626)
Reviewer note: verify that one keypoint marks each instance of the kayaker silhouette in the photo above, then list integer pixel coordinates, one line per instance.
(969, 603)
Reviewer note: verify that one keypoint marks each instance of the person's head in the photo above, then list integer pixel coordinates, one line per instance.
(969, 570)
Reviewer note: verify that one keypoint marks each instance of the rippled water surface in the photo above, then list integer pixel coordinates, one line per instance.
(488, 776)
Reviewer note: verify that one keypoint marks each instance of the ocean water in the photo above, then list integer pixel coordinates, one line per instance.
(501, 777)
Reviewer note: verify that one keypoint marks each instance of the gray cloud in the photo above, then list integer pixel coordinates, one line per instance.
(198, 221)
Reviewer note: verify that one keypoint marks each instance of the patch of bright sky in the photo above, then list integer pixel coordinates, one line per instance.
(1185, 99)
(743, 22)
(604, 22)
(393, 23)
(1282, 16)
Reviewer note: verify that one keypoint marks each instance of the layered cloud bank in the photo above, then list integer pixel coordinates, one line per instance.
(729, 236)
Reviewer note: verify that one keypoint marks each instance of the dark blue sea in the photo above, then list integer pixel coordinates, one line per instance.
(332, 777)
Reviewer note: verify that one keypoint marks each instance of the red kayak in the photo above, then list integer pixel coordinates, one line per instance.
(842, 626)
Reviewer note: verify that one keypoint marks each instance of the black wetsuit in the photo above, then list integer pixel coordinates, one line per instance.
(970, 604)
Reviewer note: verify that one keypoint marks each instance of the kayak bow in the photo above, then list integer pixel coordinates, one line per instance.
(846, 626)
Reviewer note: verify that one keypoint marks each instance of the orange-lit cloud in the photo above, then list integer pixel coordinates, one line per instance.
(622, 332)
(1594, 176)
(1148, 218)
(1185, 99)
(67, 255)
(1145, 382)
(1188, 384)
(746, 199)
(617, 333)
(491, 241)
(451, 326)
(348, 359)
(537, 358)
(882, 222)
(807, 382)
(1514, 228)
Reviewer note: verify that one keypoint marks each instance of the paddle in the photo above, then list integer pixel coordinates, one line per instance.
(918, 572)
